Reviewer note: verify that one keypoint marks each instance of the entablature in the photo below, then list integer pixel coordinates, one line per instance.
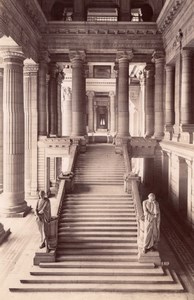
(181, 150)
(143, 38)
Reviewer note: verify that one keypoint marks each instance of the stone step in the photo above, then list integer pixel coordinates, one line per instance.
(92, 195)
(95, 182)
(82, 287)
(96, 246)
(112, 210)
(94, 230)
(97, 251)
(90, 264)
(104, 258)
(96, 203)
(84, 214)
(96, 271)
(94, 235)
(97, 218)
(99, 280)
(94, 239)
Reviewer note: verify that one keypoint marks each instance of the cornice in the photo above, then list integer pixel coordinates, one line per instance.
(169, 13)
(179, 149)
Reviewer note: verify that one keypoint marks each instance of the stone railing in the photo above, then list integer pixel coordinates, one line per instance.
(66, 182)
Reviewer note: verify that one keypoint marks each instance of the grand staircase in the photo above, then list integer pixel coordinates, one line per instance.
(97, 246)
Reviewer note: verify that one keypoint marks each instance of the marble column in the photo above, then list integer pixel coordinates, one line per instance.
(66, 111)
(90, 95)
(78, 94)
(158, 58)
(142, 104)
(116, 71)
(53, 100)
(177, 98)
(125, 10)
(59, 104)
(42, 104)
(1, 129)
(112, 112)
(31, 122)
(12, 201)
(169, 101)
(149, 101)
(123, 95)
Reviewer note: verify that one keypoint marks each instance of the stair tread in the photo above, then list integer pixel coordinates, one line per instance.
(99, 264)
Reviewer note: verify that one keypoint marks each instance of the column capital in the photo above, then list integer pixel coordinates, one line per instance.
(30, 69)
(187, 53)
(12, 55)
(170, 68)
(111, 94)
(77, 55)
(53, 69)
(90, 94)
(122, 56)
(149, 70)
(158, 56)
(44, 56)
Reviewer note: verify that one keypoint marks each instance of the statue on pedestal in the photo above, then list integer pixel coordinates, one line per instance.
(151, 224)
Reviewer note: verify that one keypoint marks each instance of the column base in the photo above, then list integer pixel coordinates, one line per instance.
(3, 234)
(168, 132)
(11, 211)
(186, 133)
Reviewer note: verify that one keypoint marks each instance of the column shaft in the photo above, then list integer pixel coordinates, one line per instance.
(42, 104)
(90, 95)
(53, 100)
(112, 112)
(159, 96)
(78, 10)
(66, 112)
(1, 129)
(123, 97)
(125, 10)
(78, 98)
(13, 136)
(149, 102)
(31, 121)
(59, 106)
(169, 105)
(187, 112)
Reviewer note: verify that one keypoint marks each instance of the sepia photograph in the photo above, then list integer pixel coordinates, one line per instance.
(97, 149)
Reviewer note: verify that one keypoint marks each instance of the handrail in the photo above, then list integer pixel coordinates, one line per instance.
(131, 186)
(65, 186)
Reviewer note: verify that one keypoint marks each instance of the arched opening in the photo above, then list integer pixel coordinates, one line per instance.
(147, 13)
(62, 11)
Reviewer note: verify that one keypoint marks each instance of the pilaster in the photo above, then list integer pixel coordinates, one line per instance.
(66, 111)
(42, 103)
(31, 128)
(1, 129)
(169, 101)
(90, 95)
(149, 101)
(52, 96)
(125, 10)
(158, 58)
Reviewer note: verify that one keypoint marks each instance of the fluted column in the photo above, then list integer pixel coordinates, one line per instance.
(169, 101)
(125, 10)
(31, 126)
(1, 129)
(42, 103)
(52, 96)
(142, 103)
(90, 95)
(112, 112)
(149, 102)
(59, 106)
(12, 200)
(66, 111)
(78, 94)
(158, 58)
(123, 94)
(186, 88)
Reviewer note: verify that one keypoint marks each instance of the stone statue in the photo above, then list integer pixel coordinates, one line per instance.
(151, 224)
(43, 217)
